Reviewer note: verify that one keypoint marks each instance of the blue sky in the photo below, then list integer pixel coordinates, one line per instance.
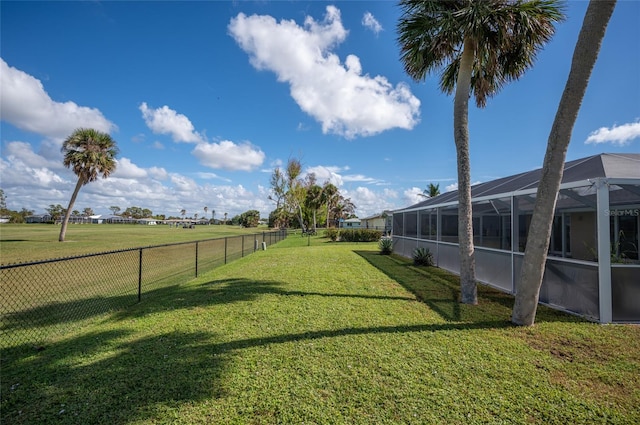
(206, 98)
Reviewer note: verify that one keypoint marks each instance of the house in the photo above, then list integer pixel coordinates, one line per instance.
(381, 221)
(593, 267)
(350, 223)
(39, 218)
(118, 219)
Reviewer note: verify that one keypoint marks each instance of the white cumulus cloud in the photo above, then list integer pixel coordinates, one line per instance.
(369, 21)
(165, 120)
(229, 156)
(337, 95)
(620, 135)
(25, 104)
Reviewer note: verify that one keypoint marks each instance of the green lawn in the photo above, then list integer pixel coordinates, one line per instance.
(329, 333)
(30, 242)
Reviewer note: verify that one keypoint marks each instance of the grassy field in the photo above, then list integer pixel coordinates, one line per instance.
(30, 242)
(325, 334)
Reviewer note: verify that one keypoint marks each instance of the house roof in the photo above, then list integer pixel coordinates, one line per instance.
(351, 220)
(379, 215)
(606, 165)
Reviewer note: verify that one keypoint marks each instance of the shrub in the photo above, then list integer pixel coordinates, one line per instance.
(360, 235)
(386, 246)
(332, 234)
(422, 257)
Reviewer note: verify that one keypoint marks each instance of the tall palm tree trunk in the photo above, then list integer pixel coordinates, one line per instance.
(67, 214)
(468, 288)
(584, 58)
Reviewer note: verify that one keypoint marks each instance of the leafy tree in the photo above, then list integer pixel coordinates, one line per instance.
(479, 46)
(295, 194)
(249, 218)
(147, 213)
(535, 255)
(279, 218)
(115, 209)
(90, 153)
(87, 212)
(14, 216)
(133, 212)
(56, 211)
(344, 208)
(3, 202)
(278, 187)
(183, 212)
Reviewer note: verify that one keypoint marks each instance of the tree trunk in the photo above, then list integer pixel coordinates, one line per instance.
(65, 221)
(535, 255)
(461, 135)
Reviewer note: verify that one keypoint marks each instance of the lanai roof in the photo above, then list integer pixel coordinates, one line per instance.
(606, 165)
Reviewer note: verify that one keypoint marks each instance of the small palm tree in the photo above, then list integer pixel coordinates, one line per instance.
(478, 46)
(90, 154)
(329, 194)
(205, 211)
(431, 191)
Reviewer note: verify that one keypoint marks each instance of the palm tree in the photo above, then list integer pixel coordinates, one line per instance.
(431, 191)
(213, 216)
(90, 153)
(478, 46)
(205, 211)
(313, 201)
(329, 194)
(535, 255)
(225, 218)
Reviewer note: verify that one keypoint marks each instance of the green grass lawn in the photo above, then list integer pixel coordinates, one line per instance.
(31, 242)
(325, 333)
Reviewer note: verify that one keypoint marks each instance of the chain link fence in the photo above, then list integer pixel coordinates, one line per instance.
(45, 298)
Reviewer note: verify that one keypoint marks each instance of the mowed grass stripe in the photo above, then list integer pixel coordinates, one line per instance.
(318, 334)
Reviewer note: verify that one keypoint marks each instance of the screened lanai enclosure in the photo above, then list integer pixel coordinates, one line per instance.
(593, 267)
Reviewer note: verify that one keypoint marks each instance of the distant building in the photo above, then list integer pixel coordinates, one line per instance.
(381, 221)
(350, 223)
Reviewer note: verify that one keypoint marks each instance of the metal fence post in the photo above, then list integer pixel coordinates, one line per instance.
(225, 250)
(242, 247)
(196, 259)
(140, 275)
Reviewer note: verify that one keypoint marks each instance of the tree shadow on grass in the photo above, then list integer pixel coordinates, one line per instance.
(113, 377)
(107, 377)
(440, 290)
(37, 323)
(438, 293)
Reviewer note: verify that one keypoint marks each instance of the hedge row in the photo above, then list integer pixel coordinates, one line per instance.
(353, 235)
